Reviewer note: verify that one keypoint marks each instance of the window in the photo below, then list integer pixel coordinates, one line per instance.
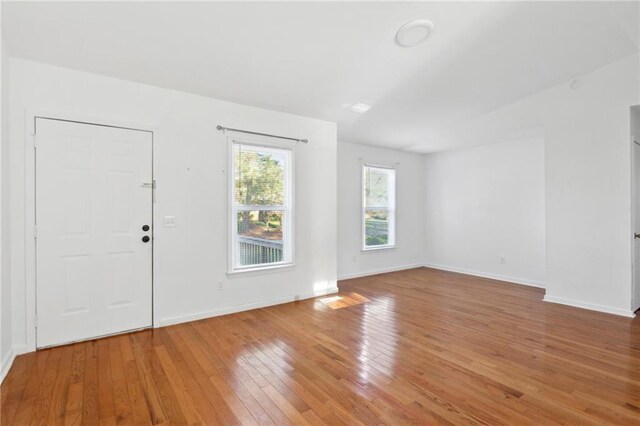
(260, 207)
(379, 207)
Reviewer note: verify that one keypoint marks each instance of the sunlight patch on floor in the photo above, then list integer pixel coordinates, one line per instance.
(343, 300)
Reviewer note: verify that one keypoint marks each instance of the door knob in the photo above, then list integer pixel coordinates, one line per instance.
(636, 235)
(145, 239)
(145, 228)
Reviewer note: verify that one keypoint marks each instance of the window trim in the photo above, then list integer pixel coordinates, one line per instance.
(288, 208)
(393, 211)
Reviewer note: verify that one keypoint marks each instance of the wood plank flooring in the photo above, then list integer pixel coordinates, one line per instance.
(413, 347)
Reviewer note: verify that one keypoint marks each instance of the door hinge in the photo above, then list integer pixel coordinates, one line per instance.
(35, 232)
(34, 138)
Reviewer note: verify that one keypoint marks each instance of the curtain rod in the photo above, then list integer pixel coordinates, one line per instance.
(261, 134)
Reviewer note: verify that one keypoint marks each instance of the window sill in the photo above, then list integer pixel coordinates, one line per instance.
(378, 248)
(260, 270)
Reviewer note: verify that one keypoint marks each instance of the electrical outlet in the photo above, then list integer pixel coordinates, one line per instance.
(220, 285)
(169, 221)
(503, 260)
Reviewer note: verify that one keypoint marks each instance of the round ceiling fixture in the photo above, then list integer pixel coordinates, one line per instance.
(414, 32)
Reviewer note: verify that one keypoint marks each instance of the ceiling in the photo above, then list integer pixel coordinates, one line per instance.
(312, 58)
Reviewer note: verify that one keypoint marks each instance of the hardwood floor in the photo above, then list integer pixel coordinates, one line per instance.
(419, 346)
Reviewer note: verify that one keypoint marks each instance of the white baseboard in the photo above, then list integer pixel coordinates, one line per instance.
(245, 307)
(8, 359)
(496, 277)
(552, 299)
(591, 306)
(6, 364)
(378, 271)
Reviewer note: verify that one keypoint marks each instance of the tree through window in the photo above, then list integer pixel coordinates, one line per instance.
(379, 207)
(261, 214)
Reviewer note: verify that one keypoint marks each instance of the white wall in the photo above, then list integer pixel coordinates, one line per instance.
(5, 284)
(190, 162)
(485, 206)
(409, 253)
(587, 181)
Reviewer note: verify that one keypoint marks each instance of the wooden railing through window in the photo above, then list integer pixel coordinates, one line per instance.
(256, 251)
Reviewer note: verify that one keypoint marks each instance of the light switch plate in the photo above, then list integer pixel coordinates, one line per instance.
(169, 221)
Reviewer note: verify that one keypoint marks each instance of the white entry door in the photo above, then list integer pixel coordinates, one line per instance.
(636, 222)
(93, 230)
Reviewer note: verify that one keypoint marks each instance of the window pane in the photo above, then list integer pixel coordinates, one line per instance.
(376, 224)
(259, 176)
(259, 237)
(379, 184)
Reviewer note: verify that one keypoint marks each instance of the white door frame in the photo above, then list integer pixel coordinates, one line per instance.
(30, 206)
(635, 269)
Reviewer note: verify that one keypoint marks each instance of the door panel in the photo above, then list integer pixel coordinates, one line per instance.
(93, 274)
(636, 222)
